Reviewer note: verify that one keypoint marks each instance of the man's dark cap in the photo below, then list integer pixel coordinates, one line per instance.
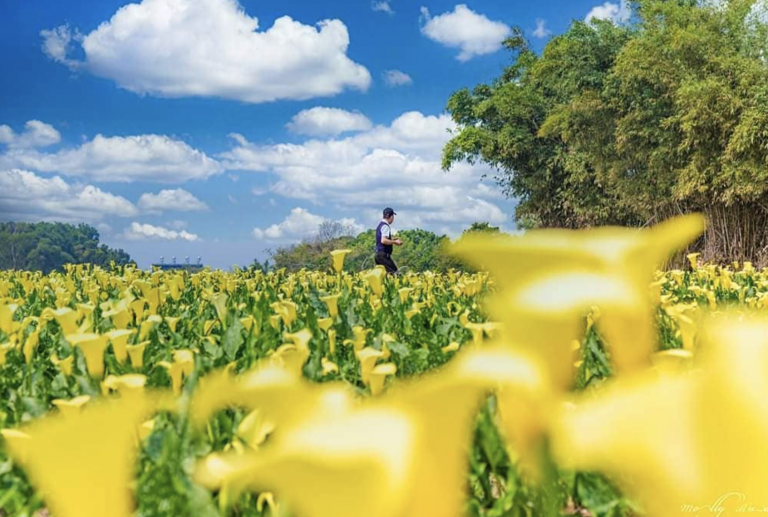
(388, 211)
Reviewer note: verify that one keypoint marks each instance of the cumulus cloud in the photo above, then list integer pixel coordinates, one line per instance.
(616, 13)
(213, 48)
(389, 165)
(178, 200)
(472, 33)
(320, 121)
(541, 30)
(28, 197)
(139, 231)
(57, 44)
(35, 134)
(394, 78)
(382, 6)
(300, 223)
(151, 158)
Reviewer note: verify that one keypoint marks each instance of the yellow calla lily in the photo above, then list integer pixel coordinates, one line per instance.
(291, 357)
(100, 442)
(328, 366)
(333, 468)
(30, 345)
(6, 317)
(119, 339)
(332, 301)
(338, 259)
(93, 347)
(67, 320)
(127, 385)
(182, 365)
(65, 365)
(332, 341)
(136, 354)
(254, 429)
(543, 298)
(70, 408)
(719, 420)
(147, 325)
(375, 279)
(452, 347)
(120, 318)
(172, 322)
(379, 375)
(325, 323)
(367, 358)
(219, 302)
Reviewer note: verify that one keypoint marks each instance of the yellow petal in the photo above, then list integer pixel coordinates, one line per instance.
(119, 339)
(92, 346)
(70, 408)
(136, 353)
(338, 259)
(100, 442)
(357, 464)
(379, 375)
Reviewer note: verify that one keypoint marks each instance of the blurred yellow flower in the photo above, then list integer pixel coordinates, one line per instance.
(717, 416)
(84, 463)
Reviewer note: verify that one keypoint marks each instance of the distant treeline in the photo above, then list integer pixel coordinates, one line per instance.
(48, 246)
(422, 250)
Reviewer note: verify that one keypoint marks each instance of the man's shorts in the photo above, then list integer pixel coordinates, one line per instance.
(385, 259)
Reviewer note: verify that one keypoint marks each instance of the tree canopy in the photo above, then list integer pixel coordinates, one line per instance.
(630, 124)
(48, 246)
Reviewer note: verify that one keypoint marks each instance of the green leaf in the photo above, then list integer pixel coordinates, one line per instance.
(232, 340)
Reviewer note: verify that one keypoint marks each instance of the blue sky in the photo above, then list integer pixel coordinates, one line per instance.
(220, 129)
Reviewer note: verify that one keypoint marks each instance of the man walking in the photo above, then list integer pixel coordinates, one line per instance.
(384, 242)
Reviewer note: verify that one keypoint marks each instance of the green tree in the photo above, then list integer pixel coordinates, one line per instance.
(501, 125)
(633, 124)
(48, 246)
(483, 227)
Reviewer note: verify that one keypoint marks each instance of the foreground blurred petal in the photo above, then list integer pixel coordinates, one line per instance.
(85, 462)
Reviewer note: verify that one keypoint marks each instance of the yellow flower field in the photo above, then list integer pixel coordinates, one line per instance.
(573, 377)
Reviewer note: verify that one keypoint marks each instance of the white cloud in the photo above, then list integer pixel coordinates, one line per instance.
(213, 48)
(35, 134)
(474, 34)
(382, 6)
(57, 43)
(178, 200)
(394, 78)
(541, 30)
(26, 196)
(177, 224)
(394, 165)
(320, 121)
(151, 158)
(139, 231)
(616, 13)
(300, 223)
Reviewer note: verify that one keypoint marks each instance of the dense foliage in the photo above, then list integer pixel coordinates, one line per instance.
(422, 250)
(631, 124)
(48, 246)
